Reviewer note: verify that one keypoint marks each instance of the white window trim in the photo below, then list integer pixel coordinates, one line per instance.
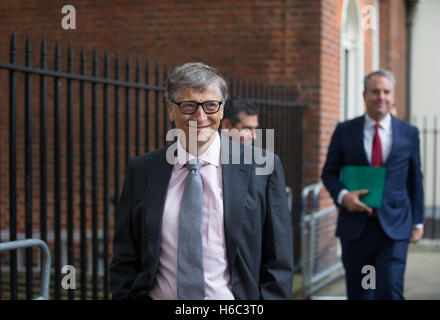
(356, 48)
(376, 42)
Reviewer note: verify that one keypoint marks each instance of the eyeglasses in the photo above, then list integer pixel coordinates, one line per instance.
(190, 107)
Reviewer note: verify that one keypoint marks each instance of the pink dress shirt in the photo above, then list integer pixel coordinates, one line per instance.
(217, 279)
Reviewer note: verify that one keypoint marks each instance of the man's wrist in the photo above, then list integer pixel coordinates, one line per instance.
(418, 226)
(341, 195)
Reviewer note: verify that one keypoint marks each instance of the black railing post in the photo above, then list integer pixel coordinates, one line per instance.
(13, 168)
(95, 176)
(425, 156)
(83, 176)
(137, 106)
(28, 165)
(157, 101)
(70, 161)
(147, 107)
(43, 147)
(264, 108)
(57, 167)
(127, 112)
(116, 131)
(165, 113)
(106, 197)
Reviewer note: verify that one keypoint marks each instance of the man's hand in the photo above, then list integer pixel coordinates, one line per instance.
(417, 235)
(352, 203)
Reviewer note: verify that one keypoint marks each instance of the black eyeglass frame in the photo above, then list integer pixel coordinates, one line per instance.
(197, 105)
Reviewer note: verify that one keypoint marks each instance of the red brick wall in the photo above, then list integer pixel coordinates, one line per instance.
(393, 44)
(329, 79)
(221, 33)
(303, 68)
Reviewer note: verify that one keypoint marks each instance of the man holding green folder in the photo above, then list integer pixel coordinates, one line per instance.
(373, 174)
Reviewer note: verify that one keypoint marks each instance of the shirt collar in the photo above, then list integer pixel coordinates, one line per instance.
(211, 155)
(385, 123)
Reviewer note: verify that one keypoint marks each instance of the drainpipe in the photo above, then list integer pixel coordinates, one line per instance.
(410, 8)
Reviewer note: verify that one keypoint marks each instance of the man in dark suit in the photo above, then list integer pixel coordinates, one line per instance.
(232, 239)
(369, 237)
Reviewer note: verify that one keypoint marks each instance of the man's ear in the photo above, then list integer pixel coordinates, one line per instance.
(170, 112)
(226, 124)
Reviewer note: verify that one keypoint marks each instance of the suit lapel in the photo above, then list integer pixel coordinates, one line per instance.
(159, 174)
(235, 185)
(396, 131)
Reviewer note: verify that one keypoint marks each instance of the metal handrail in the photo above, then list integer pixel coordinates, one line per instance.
(309, 279)
(305, 193)
(45, 263)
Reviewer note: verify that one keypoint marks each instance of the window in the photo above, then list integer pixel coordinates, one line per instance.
(352, 61)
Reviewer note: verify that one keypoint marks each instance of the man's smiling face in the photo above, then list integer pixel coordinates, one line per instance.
(205, 124)
(379, 97)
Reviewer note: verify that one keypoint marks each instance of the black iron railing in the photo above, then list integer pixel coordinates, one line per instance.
(429, 153)
(77, 138)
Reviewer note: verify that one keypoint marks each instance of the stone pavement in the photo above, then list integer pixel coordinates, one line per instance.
(422, 275)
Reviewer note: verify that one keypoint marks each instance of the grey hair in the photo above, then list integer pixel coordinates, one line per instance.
(194, 75)
(382, 72)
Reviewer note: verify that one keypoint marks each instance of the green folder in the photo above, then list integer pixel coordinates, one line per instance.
(365, 177)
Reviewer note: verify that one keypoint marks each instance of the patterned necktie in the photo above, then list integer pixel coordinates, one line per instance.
(190, 271)
(376, 155)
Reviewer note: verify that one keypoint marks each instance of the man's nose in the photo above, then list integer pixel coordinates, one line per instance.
(200, 114)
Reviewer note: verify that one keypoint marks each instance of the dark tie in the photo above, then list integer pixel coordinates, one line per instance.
(376, 155)
(190, 270)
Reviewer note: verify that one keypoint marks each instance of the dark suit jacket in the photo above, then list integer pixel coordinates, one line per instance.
(402, 204)
(258, 229)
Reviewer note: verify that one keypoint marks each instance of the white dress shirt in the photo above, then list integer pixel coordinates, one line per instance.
(385, 134)
(217, 279)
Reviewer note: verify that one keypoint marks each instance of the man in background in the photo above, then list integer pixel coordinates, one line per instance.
(241, 115)
(377, 237)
